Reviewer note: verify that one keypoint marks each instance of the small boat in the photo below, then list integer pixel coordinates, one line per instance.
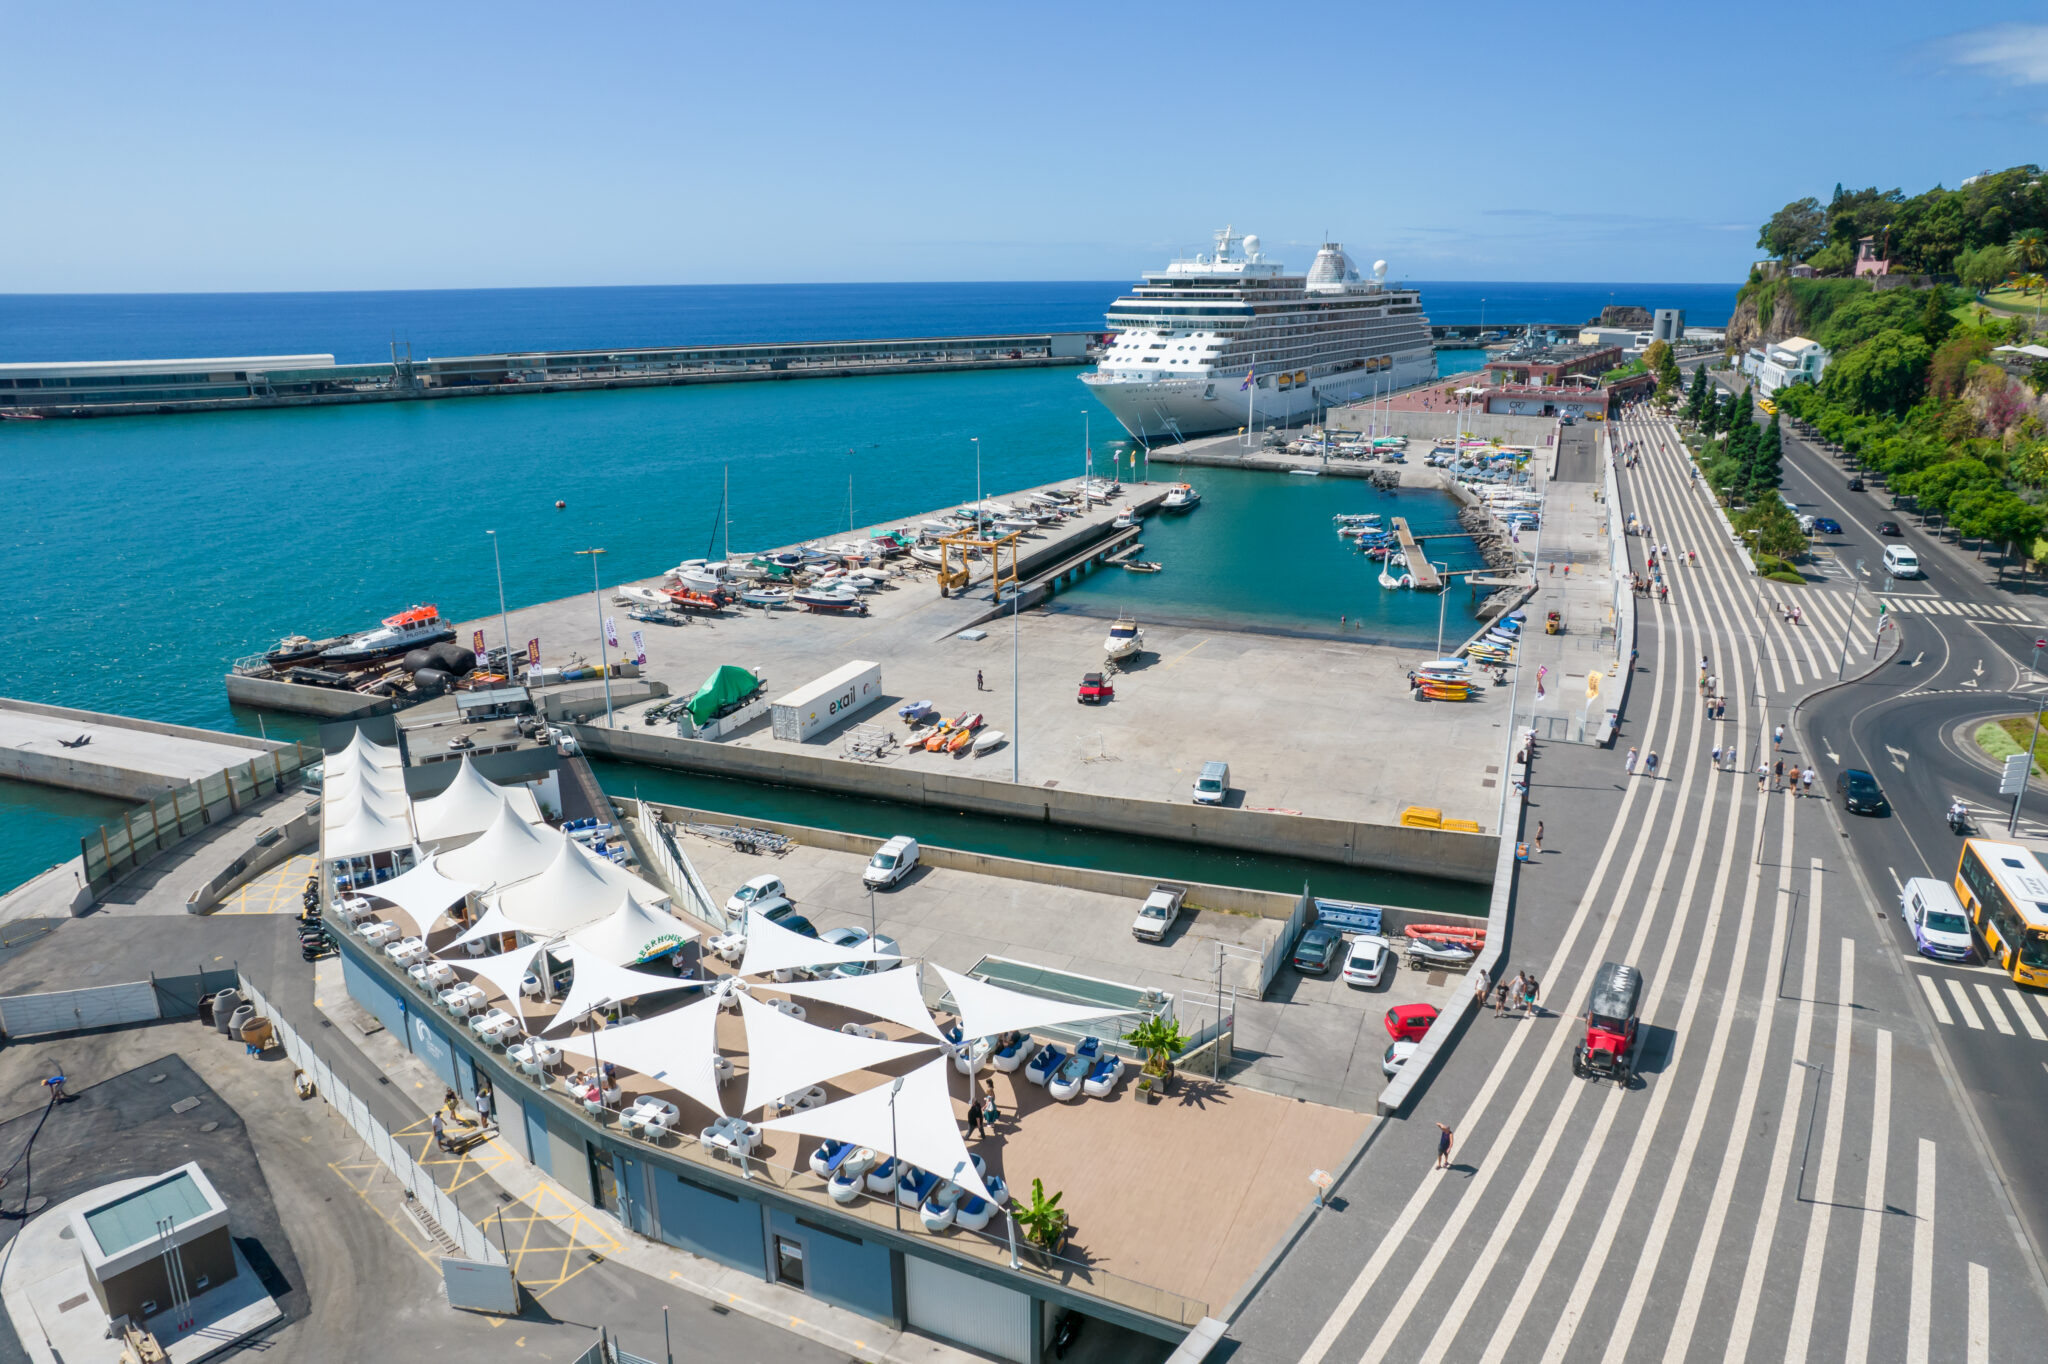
(703, 603)
(653, 615)
(644, 596)
(916, 712)
(1180, 497)
(1446, 932)
(1371, 519)
(963, 734)
(987, 741)
(1390, 582)
(765, 597)
(398, 634)
(1016, 527)
(1141, 566)
(1306, 473)
(926, 554)
(1125, 519)
(831, 603)
(298, 648)
(1124, 640)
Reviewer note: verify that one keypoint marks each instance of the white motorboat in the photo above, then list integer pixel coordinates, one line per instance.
(765, 597)
(398, 634)
(987, 740)
(1016, 527)
(1124, 640)
(644, 596)
(1180, 497)
(928, 555)
(1125, 519)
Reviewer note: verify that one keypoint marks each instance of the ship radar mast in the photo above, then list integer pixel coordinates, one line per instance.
(1224, 241)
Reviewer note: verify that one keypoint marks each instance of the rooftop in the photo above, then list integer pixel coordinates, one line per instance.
(180, 1197)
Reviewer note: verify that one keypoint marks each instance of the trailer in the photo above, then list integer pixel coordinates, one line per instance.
(817, 706)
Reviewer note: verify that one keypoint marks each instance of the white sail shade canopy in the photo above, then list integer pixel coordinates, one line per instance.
(420, 896)
(924, 1131)
(337, 810)
(340, 786)
(674, 1048)
(506, 971)
(361, 753)
(893, 995)
(509, 850)
(366, 832)
(493, 924)
(986, 1010)
(598, 983)
(570, 894)
(469, 806)
(771, 947)
(631, 933)
(785, 1056)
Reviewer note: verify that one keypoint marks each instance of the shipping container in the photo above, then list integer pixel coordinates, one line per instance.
(819, 705)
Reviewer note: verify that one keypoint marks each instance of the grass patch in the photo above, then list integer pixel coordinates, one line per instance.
(2000, 739)
(1778, 570)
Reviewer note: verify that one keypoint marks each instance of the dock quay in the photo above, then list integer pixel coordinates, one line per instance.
(119, 756)
(1419, 566)
(220, 384)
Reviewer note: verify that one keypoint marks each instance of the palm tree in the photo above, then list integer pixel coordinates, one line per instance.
(1043, 1219)
(1161, 1040)
(2030, 248)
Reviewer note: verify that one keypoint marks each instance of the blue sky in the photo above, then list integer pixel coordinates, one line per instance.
(277, 146)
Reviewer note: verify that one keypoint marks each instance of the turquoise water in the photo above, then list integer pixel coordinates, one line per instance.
(1260, 552)
(150, 552)
(1038, 842)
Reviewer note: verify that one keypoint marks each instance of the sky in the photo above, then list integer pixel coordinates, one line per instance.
(227, 147)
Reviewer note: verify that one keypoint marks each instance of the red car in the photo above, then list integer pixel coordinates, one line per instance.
(1095, 689)
(1408, 1022)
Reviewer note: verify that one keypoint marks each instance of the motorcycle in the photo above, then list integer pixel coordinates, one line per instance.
(1959, 817)
(1064, 1331)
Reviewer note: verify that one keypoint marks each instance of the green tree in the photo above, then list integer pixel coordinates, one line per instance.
(1043, 1219)
(1795, 231)
(1670, 383)
(1985, 268)
(1936, 322)
(1836, 258)
(1882, 375)
(2038, 376)
(1765, 468)
(1696, 401)
(1773, 529)
(1950, 365)
(1161, 1040)
(2029, 249)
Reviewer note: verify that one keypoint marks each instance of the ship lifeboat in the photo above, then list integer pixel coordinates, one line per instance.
(1473, 937)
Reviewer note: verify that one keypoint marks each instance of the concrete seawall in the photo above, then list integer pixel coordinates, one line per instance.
(1384, 847)
(125, 758)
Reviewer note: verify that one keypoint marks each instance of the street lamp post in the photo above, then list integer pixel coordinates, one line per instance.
(603, 658)
(504, 621)
(1443, 592)
(1087, 459)
(977, 483)
(895, 1088)
(1016, 694)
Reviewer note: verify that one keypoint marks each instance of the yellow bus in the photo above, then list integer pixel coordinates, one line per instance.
(2005, 891)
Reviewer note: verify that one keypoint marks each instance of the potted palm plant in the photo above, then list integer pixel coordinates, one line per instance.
(1160, 1039)
(1044, 1222)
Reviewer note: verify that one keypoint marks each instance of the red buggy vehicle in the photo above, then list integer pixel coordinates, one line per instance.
(1608, 1052)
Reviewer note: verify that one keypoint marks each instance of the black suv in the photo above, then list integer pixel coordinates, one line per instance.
(1860, 793)
(1856, 484)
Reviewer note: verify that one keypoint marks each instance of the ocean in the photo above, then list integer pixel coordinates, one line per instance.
(151, 552)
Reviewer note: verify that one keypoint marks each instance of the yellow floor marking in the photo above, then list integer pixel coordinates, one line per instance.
(276, 891)
(1176, 659)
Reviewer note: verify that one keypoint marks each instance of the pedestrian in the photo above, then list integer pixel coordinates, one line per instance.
(1530, 990)
(1482, 991)
(1777, 736)
(1443, 1147)
(1628, 763)
(974, 1128)
(1500, 998)
(977, 681)
(1763, 774)
(1539, 835)
(55, 1084)
(1806, 782)
(1703, 665)
(484, 1104)
(1650, 764)
(991, 1111)
(1792, 779)
(1663, 593)
(449, 1103)
(440, 1130)
(1717, 757)
(1778, 774)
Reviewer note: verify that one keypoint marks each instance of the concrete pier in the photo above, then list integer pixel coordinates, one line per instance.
(123, 757)
(1419, 566)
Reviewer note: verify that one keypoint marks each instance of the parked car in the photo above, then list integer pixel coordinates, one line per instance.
(892, 862)
(1408, 1022)
(889, 956)
(1860, 793)
(1365, 965)
(1397, 1057)
(1213, 784)
(1161, 908)
(1901, 562)
(757, 894)
(1827, 525)
(1320, 948)
(1940, 928)
(1094, 690)
(1856, 484)
(1889, 528)
(785, 916)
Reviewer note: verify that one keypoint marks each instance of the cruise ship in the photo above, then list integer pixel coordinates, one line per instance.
(1232, 340)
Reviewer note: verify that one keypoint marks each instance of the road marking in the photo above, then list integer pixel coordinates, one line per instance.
(1916, 659)
(2026, 1016)
(1980, 1314)
(1934, 1002)
(1899, 756)
(1918, 1315)
(1991, 1009)
(1797, 1078)
(1828, 749)
(1901, 885)
(1863, 1297)
(1819, 1210)
(1963, 1005)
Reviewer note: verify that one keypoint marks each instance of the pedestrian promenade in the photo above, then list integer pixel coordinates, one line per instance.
(1576, 576)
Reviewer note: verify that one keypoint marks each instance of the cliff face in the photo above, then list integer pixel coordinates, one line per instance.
(1747, 327)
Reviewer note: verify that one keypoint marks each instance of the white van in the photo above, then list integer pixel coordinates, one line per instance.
(1213, 784)
(1901, 562)
(1940, 927)
(892, 862)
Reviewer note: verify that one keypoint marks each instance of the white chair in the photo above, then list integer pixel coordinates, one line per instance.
(791, 1008)
(1103, 1078)
(969, 1057)
(721, 1066)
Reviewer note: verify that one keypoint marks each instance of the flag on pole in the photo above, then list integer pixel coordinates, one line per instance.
(478, 643)
(611, 631)
(533, 652)
(639, 649)
(1249, 375)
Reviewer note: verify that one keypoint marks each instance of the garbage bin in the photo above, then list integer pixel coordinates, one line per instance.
(224, 1008)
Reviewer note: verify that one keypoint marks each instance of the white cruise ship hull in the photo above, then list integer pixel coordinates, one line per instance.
(1152, 410)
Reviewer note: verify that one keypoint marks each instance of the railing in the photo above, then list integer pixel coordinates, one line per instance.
(796, 1181)
(169, 819)
(468, 1238)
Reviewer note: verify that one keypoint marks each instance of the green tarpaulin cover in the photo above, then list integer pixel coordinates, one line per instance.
(721, 689)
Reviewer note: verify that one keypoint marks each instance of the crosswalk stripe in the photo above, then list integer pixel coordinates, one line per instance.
(1919, 1315)
(1963, 1004)
(1991, 1009)
(2019, 1006)
(1862, 1302)
(1935, 1002)
(1980, 1315)
(1946, 608)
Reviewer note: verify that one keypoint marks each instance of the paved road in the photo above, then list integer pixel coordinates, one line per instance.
(1733, 1202)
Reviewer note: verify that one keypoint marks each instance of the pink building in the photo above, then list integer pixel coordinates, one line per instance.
(1867, 262)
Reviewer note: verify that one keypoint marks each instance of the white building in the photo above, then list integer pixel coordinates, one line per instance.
(1631, 342)
(1795, 360)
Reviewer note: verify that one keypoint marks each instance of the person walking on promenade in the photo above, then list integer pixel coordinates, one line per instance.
(1628, 764)
(1778, 775)
(1792, 779)
(1650, 764)
(1443, 1147)
(1481, 991)
(1806, 782)
(1539, 835)
(1777, 736)
(1501, 992)
(1763, 774)
(977, 681)
(974, 1120)
(440, 1131)
(1717, 757)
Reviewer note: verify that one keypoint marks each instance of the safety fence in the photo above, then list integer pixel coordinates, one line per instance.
(113, 850)
(1275, 954)
(419, 1186)
(120, 1005)
(606, 1351)
(674, 867)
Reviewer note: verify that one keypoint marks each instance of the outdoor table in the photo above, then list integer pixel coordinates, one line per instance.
(463, 999)
(352, 907)
(489, 1022)
(380, 933)
(406, 951)
(653, 1115)
(433, 973)
(803, 1099)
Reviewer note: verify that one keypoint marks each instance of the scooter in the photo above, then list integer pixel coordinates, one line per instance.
(1958, 817)
(1064, 1331)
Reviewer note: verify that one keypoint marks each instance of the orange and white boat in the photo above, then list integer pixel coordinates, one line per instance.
(409, 629)
(1447, 933)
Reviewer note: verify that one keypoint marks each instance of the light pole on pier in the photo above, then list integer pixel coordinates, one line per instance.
(603, 658)
(977, 483)
(504, 621)
(1443, 592)
(1087, 464)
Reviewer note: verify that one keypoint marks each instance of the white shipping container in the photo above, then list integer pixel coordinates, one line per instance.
(819, 705)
